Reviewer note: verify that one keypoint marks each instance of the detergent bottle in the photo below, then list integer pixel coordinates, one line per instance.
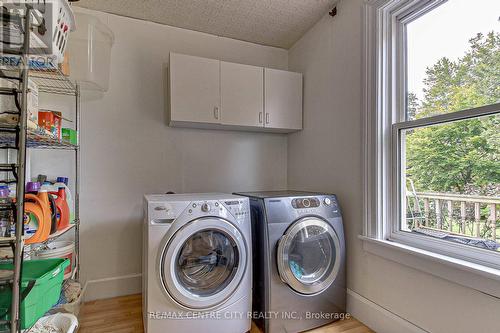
(62, 208)
(63, 182)
(37, 218)
(49, 204)
(47, 187)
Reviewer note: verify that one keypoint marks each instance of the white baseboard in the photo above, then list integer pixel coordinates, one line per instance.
(113, 287)
(378, 318)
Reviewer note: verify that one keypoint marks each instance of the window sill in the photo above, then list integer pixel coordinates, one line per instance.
(478, 277)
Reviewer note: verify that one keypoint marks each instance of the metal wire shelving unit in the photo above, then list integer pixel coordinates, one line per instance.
(22, 136)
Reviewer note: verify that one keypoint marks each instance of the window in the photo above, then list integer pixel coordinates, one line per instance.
(433, 127)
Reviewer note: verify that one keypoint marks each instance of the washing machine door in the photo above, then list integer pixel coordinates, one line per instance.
(308, 255)
(203, 263)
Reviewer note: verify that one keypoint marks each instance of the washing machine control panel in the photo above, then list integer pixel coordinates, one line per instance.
(237, 208)
(207, 207)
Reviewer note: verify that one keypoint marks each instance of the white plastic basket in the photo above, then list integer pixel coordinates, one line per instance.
(65, 322)
(48, 43)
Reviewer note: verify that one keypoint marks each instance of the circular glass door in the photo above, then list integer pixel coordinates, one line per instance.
(309, 255)
(207, 262)
(203, 263)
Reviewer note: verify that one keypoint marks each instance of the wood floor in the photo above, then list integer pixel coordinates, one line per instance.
(124, 315)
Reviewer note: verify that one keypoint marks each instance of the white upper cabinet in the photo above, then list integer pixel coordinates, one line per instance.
(242, 95)
(194, 89)
(283, 99)
(208, 93)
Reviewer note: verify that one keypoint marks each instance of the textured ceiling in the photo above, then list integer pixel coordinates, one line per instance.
(270, 22)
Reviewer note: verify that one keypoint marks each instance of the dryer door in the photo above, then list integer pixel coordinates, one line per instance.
(203, 263)
(308, 255)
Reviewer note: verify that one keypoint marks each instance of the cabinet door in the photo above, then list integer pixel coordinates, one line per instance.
(194, 89)
(242, 94)
(283, 99)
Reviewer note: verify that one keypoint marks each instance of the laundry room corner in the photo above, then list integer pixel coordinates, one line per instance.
(249, 166)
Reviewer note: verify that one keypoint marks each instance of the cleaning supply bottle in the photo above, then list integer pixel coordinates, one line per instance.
(49, 204)
(62, 208)
(49, 188)
(63, 182)
(37, 218)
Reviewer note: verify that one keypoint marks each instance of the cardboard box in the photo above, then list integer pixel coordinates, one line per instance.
(51, 121)
(69, 136)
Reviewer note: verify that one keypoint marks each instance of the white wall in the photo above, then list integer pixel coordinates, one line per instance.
(326, 156)
(128, 150)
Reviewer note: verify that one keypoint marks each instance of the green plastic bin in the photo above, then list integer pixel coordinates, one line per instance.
(44, 278)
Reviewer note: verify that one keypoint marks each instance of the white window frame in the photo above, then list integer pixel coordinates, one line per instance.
(384, 119)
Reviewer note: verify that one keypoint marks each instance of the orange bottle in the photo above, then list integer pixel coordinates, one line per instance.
(43, 195)
(62, 208)
(38, 208)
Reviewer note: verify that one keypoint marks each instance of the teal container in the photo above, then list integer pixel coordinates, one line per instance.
(47, 276)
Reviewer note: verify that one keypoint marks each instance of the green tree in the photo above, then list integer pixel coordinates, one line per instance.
(413, 105)
(463, 156)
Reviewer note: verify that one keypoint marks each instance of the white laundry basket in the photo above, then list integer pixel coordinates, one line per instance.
(65, 322)
(47, 43)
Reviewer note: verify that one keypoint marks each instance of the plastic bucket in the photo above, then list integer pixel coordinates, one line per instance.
(60, 249)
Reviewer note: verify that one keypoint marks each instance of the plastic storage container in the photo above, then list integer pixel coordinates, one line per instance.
(47, 276)
(90, 53)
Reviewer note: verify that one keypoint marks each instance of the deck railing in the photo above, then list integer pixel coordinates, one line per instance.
(468, 215)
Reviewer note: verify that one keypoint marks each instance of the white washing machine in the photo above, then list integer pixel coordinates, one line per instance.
(197, 272)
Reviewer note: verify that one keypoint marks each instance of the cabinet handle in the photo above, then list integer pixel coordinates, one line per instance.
(267, 118)
(216, 112)
(260, 117)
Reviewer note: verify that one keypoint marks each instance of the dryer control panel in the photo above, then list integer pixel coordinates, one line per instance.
(291, 208)
(299, 203)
